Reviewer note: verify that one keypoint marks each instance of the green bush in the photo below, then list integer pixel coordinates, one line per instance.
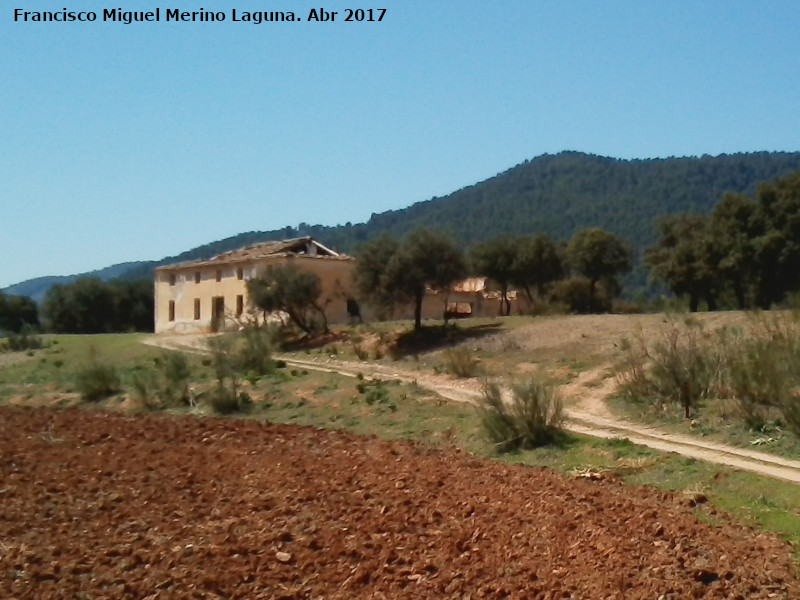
(175, 372)
(374, 392)
(144, 384)
(530, 417)
(98, 381)
(255, 350)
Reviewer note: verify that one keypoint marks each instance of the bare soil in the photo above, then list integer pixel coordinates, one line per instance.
(99, 505)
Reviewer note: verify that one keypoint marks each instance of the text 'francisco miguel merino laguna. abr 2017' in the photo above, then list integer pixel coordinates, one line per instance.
(118, 15)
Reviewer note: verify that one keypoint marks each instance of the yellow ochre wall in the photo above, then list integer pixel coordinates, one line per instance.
(335, 276)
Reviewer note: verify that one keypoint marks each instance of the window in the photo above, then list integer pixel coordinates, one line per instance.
(219, 274)
(239, 305)
(197, 276)
(197, 309)
(172, 278)
(172, 310)
(240, 273)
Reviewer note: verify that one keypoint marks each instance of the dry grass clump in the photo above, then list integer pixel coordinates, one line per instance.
(532, 415)
(756, 366)
(460, 362)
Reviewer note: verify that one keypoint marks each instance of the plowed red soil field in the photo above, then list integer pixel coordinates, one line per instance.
(96, 505)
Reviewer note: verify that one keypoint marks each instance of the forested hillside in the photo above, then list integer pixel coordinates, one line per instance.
(554, 194)
(558, 195)
(37, 288)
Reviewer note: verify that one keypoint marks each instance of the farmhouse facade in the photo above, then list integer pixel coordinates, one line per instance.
(211, 295)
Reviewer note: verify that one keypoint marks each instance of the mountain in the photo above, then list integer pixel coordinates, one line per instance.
(555, 194)
(37, 288)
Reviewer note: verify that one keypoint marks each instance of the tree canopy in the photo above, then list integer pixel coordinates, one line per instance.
(423, 259)
(599, 256)
(683, 259)
(16, 312)
(747, 249)
(285, 288)
(557, 195)
(497, 259)
(90, 305)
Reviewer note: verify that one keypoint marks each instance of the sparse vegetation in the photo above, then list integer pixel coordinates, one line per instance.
(25, 340)
(460, 362)
(175, 374)
(145, 388)
(756, 367)
(679, 367)
(225, 401)
(97, 380)
(255, 349)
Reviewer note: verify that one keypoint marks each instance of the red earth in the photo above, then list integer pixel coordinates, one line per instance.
(98, 505)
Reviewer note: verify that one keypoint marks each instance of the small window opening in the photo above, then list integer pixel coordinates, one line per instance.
(219, 274)
(197, 309)
(239, 305)
(172, 310)
(197, 276)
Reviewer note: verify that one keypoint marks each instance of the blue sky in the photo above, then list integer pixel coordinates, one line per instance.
(132, 142)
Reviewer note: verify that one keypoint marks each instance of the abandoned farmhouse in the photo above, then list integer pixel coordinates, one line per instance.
(211, 295)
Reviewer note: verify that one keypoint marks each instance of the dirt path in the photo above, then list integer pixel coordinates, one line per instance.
(588, 413)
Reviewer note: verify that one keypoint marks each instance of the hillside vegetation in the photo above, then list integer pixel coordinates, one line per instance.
(558, 195)
(553, 194)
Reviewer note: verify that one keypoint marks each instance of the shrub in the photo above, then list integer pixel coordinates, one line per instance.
(255, 350)
(359, 348)
(460, 362)
(530, 417)
(145, 388)
(25, 340)
(757, 367)
(681, 366)
(374, 392)
(224, 401)
(176, 373)
(764, 371)
(98, 381)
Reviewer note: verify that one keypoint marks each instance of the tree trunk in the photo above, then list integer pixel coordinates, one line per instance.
(505, 303)
(592, 285)
(529, 294)
(323, 316)
(712, 302)
(418, 313)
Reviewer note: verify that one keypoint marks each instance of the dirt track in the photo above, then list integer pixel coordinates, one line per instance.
(587, 415)
(99, 505)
